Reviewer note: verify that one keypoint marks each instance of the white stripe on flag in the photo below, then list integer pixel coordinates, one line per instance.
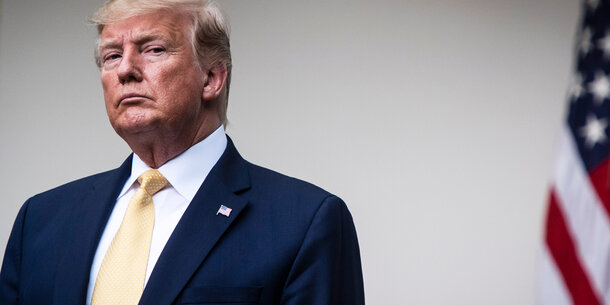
(585, 215)
(551, 288)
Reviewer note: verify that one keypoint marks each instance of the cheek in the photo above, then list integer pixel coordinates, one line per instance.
(108, 87)
(183, 89)
(112, 113)
(109, 107)
(105, 77)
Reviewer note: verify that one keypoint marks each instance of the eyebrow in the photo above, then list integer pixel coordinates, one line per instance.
(140, 39)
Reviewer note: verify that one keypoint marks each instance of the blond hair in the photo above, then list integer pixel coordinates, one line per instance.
(209, 37)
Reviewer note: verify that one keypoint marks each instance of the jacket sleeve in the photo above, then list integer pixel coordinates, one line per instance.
(11, 266)
(327, 269)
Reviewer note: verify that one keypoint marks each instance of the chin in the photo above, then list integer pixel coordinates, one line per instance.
(134, 122)
(133, 127)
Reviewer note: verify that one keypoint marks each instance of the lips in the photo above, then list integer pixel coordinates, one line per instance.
(132, 97)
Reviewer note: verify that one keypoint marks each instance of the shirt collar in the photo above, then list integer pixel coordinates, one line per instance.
(187, 171)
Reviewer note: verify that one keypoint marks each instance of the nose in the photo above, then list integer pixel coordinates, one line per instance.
(129, 69)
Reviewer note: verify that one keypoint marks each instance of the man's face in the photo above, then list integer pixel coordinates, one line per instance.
(150, 78)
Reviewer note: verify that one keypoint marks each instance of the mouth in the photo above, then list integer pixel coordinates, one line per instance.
(132, 98)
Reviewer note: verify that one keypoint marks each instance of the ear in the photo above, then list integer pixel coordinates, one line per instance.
(214, 82)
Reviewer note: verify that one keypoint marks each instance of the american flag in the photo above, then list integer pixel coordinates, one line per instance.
(575, 264)
(224, 210)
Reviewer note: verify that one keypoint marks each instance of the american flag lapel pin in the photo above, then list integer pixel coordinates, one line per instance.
(224, 210)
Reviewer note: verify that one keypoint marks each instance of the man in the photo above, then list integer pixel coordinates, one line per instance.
(184, 220)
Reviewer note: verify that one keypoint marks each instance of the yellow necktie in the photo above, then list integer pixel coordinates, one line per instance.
(121, 276)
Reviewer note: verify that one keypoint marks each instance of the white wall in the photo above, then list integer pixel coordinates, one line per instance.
(434, 120)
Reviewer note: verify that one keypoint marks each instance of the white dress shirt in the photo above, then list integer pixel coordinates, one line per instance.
(185, 174)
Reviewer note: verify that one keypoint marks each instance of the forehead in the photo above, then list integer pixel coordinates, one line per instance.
(160, 24)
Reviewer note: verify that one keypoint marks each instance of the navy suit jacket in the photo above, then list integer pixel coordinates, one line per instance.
(285, 242)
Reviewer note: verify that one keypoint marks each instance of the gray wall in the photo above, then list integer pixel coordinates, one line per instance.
(434, 120)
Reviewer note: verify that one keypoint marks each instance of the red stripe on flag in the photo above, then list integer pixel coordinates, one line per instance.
(599, 179)
(562, 249)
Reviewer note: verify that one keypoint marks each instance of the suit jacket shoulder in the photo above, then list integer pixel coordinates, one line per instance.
(288, 190)
(66, 193)
(55, 235)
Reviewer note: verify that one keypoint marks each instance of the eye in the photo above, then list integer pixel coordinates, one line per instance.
(112, 56)
(155, 50)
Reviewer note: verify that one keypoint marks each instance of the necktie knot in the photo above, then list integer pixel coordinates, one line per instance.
(152, 181)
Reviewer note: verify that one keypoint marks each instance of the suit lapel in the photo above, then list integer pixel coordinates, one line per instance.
(199, 229)
(85, 225)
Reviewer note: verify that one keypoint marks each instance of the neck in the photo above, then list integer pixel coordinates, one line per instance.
(156, 149)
